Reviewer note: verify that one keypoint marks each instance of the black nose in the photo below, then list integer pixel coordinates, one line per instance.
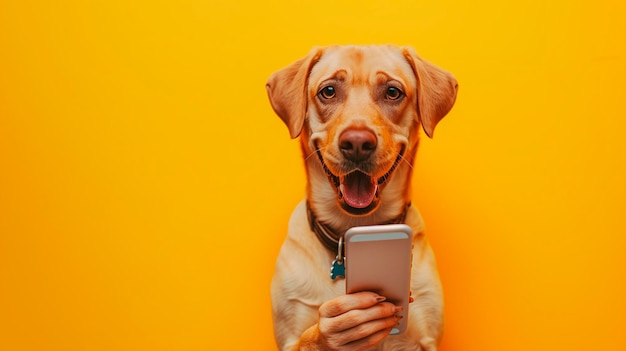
(357, 144)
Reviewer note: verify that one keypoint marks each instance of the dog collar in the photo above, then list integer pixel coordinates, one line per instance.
(329, 237)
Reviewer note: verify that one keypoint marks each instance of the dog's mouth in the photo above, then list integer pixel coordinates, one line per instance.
(358, 189)
(359, 192)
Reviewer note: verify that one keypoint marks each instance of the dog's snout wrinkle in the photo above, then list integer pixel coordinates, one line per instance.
(357, 144)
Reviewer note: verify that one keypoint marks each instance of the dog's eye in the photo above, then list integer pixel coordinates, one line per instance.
(393, 93)
(327, 92)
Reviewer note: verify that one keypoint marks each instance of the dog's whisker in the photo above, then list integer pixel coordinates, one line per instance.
(404, 160)
(309, 156)
(306, 159)
(314, 152)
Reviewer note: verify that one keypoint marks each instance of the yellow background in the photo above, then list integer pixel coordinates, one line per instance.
(145, 183)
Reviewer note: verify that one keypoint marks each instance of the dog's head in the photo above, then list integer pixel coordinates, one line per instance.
(358, 111)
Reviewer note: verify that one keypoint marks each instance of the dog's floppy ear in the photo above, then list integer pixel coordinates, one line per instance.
(436, 90)
(287, 91)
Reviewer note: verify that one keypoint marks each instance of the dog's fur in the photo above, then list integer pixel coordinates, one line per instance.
(360, 77)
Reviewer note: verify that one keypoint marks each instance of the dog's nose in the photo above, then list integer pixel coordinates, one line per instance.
(357, 144)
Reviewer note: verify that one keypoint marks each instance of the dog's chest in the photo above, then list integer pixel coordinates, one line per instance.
(327, 287)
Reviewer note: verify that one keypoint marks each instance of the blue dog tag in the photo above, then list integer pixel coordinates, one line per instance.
(337, 269)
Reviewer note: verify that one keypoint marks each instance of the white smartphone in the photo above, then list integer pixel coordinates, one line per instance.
(378, 259)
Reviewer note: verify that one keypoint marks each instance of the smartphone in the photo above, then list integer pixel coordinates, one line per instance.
(378, 259)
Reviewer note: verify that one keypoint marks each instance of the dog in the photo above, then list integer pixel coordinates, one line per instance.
(358, 111)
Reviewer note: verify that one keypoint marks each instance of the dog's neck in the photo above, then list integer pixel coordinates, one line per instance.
(329, 237)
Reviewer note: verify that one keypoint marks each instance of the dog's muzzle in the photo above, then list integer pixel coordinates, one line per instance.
(358, 192)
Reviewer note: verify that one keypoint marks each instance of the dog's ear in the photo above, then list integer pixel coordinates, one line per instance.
(436, 90)
(287, 91)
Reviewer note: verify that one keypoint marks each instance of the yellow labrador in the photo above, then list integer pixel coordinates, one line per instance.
(357, 110)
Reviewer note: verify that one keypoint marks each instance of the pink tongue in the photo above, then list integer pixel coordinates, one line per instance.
(358, 189)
